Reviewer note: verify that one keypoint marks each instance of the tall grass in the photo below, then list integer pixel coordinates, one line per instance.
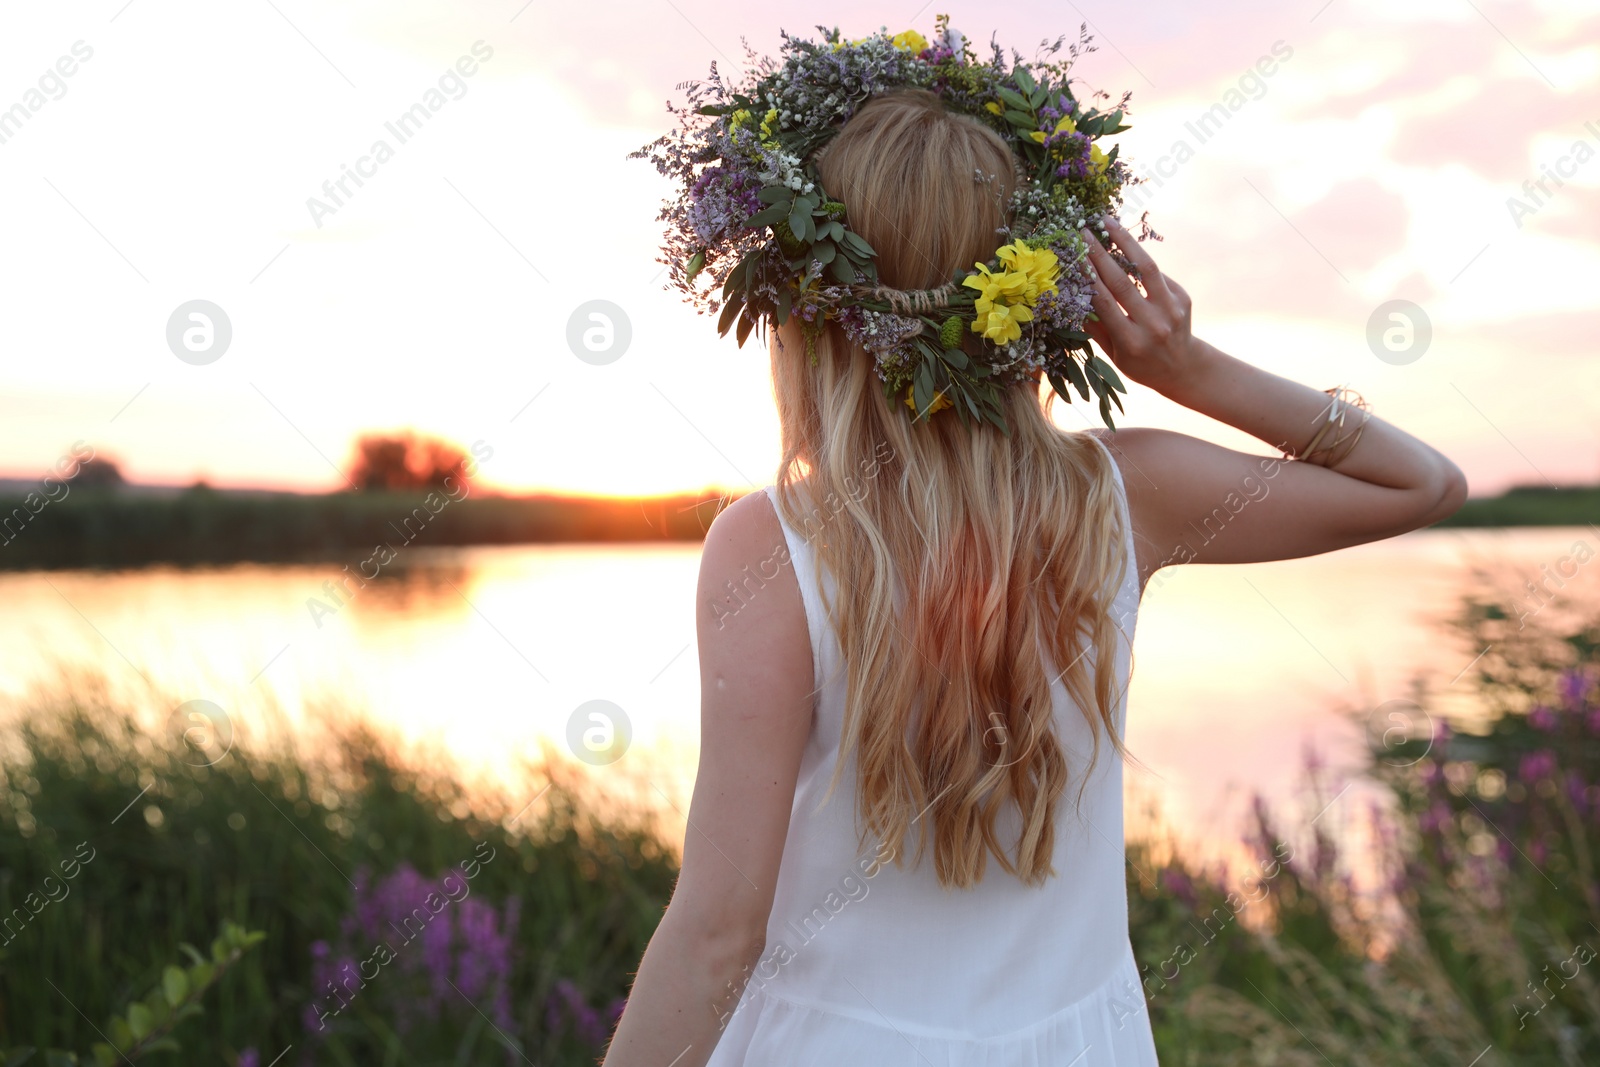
(279, 843)
(1463, 933)
(1476, 939)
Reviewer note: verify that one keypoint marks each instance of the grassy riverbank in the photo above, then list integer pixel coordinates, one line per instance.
(122, 527)
(109, 526)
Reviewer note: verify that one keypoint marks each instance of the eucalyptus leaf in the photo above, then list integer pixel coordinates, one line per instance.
(1075, 375)
(1107, 371)
(856, 243)
(729, 310)
(775, 194)
(747, 322)
(1015, 99)
(1025, 80)
(823, 252)
(799, 219)
(842, 270)
(1059, 384)
(769, 216)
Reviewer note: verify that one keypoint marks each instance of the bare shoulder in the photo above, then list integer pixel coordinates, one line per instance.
(745, 572)
(748, 526)
(1140, 452)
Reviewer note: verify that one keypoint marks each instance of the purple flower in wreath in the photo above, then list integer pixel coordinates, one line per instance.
(1542, 718)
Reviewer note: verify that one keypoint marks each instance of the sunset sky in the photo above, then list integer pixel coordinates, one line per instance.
(176, 161)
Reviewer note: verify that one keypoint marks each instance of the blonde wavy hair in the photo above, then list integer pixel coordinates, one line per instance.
(1003, 548)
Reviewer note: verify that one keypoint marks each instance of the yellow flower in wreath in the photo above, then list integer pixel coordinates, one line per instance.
(1039, 266)
(1066, 125)
(1006, 287)
(1001, 323)
(940, 401)
(911, 40)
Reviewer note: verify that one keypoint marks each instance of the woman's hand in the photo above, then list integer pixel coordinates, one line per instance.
(1146, 334)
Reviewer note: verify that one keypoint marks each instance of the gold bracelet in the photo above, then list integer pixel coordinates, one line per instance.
(1333, 419)
(1335, 460)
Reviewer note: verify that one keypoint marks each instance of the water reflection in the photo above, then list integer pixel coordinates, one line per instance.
(484, 654)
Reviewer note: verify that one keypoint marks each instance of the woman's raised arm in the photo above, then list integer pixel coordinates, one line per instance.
(1198, 502)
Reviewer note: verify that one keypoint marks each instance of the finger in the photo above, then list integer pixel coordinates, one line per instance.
(1150, 274)
(1177, 290)
(1114, 279)
(1112, 321)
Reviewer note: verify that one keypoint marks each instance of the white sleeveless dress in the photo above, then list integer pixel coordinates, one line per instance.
(869, 965)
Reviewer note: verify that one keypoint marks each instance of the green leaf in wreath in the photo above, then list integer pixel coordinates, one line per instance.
(1107, 371)
(775, 194)
(857, 244)
(767, 216)
(1075, 375)
(1025, 80)
(842, 271)
(729, 310)
(747, 322)
(1015, 99)
(823, 252)
(799, 219)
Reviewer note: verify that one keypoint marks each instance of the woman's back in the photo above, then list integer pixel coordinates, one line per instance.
(870, 962)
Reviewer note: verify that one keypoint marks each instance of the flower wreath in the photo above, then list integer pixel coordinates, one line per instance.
(752, 215)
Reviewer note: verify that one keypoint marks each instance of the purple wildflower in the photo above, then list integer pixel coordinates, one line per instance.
(1537, 765)
(720, 200)
(566, 1007)
(1574, 687)
(1436, 818)
(1542, 718)
(403, 944)
(249, 1058)
(1179, 885)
